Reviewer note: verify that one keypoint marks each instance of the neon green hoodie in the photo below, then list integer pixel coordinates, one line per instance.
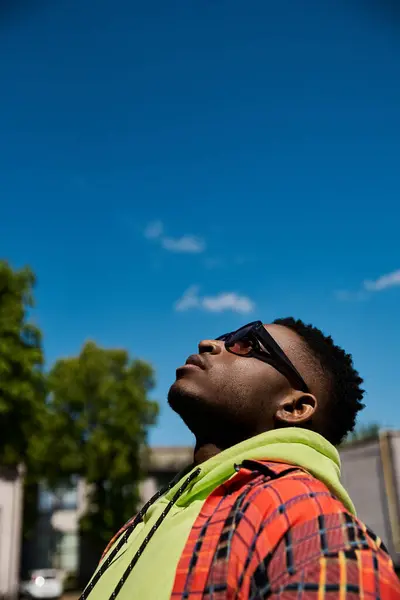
(153, 576)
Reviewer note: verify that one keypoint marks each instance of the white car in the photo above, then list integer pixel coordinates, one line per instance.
(44, 583)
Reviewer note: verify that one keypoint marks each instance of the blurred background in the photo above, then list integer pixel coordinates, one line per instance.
(170, 171)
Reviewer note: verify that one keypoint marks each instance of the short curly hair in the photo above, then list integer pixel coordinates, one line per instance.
(344, 398)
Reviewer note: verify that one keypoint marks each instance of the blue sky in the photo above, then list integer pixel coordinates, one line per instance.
(173, 170)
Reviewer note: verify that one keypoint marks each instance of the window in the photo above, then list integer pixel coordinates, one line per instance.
(61, 498)
(69, 499)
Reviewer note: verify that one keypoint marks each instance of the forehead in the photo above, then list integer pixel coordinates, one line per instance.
(293, 346)
(296, 350)
(288, 340)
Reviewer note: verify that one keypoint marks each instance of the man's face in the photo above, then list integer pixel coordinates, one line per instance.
(219, 389)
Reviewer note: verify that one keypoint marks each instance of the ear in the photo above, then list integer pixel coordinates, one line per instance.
(297, 408)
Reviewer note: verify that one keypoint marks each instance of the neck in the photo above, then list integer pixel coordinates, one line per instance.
(205, 448)
(204, 451)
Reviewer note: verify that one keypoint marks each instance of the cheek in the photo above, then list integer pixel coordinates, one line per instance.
(253, 385)
(245, 381)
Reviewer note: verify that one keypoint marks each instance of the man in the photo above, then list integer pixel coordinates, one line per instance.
(262, 513)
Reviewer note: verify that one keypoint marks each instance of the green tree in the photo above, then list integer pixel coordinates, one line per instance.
(97, 423)
(363, 433)
(22, 389)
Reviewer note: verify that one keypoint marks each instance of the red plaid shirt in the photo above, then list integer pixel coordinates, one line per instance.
(274, 531)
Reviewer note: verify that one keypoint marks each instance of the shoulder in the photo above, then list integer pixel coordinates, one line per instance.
(288, 499)
(289, 494)
(295, 523)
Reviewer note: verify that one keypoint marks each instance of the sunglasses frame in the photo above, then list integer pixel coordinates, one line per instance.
(272, 355)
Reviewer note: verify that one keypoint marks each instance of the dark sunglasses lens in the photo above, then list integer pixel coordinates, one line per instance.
(241, 347)
(239, 342)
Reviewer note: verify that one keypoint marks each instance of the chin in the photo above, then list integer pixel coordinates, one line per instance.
(190, 402)
(206, 418)
(183, 393)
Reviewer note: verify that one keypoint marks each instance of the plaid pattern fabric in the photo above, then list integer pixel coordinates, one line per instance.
(274, 531)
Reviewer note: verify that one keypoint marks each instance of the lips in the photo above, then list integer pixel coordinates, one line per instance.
(194, 363)
(196, 360)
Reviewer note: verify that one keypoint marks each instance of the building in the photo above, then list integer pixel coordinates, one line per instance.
(370, 473)
(11, 495)
(56, 539)
(56, 542)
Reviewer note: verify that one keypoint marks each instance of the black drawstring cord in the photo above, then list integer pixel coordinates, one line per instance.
(124, 538)
(151, 533)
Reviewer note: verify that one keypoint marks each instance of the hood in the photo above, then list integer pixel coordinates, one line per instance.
(292, 445)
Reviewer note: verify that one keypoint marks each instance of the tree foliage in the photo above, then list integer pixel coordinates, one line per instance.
(22, 389)
(363, 433)
(97, 422)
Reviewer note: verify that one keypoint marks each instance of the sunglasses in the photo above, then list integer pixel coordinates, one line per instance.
(253, 340)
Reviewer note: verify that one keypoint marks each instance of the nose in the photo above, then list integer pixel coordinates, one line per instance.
(210, 346)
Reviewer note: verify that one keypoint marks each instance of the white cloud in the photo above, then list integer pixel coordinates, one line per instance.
(221, 302)
(190, 299)
(228, 301)
(378, 285)
(154, 230)
(384, 282)
(187, 243)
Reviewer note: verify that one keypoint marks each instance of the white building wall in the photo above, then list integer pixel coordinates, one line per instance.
(11, 491)
(363, 479)
(147, 489)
